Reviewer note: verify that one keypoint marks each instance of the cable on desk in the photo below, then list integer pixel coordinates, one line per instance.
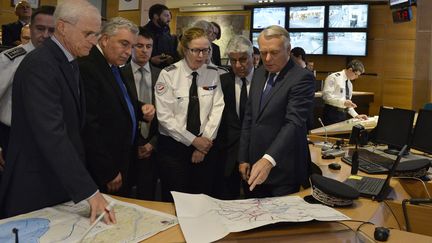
(394, 215)
(415, 178)
(358, 228)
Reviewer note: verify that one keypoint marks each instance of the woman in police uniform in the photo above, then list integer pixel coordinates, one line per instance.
(189, 104)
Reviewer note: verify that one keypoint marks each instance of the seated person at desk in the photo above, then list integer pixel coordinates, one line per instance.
(337, 93)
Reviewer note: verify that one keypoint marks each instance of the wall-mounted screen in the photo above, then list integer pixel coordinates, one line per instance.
(348, 16)
(255, 39)
(311, 42)
(263, 17)
(399, 3)
(306, 17)
(347, 43)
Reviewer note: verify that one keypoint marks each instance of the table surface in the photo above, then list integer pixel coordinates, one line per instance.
(362, 210)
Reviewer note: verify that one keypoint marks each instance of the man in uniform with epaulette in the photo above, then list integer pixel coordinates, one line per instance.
(337, 94)
(41, 28)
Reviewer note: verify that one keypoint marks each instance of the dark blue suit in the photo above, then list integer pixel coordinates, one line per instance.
(279, 127)
(45, 162)
(11, 32)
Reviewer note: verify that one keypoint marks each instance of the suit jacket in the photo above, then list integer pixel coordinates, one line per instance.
(108, 129)
(11, 32)
(230, 128)
(45, 163)
(130, 82)
(279, 127)
(216, 56)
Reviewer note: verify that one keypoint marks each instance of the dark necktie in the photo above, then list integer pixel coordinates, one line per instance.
(243, 99)
(346, 90)
(193, 114)
(144, 95)
(127, 99)
(269, 86)
(76, 72)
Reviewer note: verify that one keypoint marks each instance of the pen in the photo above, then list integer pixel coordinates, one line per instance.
(107, 210)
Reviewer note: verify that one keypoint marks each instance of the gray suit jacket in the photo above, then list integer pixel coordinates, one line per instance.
(279, 128)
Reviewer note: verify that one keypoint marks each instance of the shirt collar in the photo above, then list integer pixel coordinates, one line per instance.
(248, 77)
(189, 71)
(135, 67)
(344, 75)
(69, 56)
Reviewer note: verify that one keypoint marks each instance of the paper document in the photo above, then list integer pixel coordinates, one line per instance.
(205, 219)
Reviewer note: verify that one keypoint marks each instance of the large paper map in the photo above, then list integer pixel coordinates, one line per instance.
(67, 223)
(205, 219)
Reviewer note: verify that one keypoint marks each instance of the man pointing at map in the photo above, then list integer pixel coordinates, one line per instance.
(45, 164)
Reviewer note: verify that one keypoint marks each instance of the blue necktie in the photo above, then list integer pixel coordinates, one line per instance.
(269, 86)
(120, 83)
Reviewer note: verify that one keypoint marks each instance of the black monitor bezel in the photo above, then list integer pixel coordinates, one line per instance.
(417, 131)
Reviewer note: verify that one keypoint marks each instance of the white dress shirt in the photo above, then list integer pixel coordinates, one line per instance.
(8, 68)
(334, 91)
(172, 100)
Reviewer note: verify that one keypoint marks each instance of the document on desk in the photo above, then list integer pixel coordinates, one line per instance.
(67, 223)
(205, 219)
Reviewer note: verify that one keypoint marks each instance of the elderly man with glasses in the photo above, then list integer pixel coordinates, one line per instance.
(337, 93)
(12, 31)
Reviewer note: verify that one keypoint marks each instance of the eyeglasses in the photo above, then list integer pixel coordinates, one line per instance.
(241, 60)
(197, 51)
(86, 34)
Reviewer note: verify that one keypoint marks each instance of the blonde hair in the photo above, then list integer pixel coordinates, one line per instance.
(189, 35)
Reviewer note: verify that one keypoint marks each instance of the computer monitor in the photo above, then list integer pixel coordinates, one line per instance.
(311, 42)
(348, 16)
(347, 43)
(399, 3)
(394, 128)
(266, 16)
(422, 136)
(306, 17)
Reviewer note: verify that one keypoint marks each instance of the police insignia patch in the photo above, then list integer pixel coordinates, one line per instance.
(160, 88)
(15, 52)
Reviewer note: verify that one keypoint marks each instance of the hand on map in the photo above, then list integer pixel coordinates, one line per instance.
(98, 205)
(259, 173)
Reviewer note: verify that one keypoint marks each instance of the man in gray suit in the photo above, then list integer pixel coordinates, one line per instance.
(273, 151)
(141, 76)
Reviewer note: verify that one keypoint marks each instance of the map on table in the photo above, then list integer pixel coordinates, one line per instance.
(67, 223)
(205, 219)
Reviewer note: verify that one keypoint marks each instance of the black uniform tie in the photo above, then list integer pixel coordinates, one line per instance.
(193, 116)
(243, 99)
(346, 90)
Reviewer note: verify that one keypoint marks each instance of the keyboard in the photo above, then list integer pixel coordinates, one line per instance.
(367, 186)
(370, 162)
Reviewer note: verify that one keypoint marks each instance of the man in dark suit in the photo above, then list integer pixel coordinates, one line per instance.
(273, 151)
(141, 76)
(112, 114)
(11, 32)
(45, 164)
(235, 86)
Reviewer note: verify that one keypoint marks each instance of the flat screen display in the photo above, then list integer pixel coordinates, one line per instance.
(348, 16)
(311, 42)
(399, 3)
(422, 137)
(347, 43)
(306, 17)
(263, 17)
(255, 39)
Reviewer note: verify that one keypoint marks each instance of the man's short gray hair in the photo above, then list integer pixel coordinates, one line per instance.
(72, 10)
(239, 44)
(111, 27)
(205, 25)
(275, 31)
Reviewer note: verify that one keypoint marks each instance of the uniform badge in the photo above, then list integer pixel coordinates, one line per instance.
(210, 87)
(170, 67)
(15, 52)
(160, 88)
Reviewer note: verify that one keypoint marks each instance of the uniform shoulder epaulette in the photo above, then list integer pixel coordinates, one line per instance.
(212, 67)
(223, 69)
(15, 52)
(337, 74)
(170, 67)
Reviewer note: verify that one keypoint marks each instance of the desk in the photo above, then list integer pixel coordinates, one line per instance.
(363, 210)
(345, 127)
(361, 99)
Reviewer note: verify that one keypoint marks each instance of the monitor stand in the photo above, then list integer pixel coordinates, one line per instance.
(395, 150)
